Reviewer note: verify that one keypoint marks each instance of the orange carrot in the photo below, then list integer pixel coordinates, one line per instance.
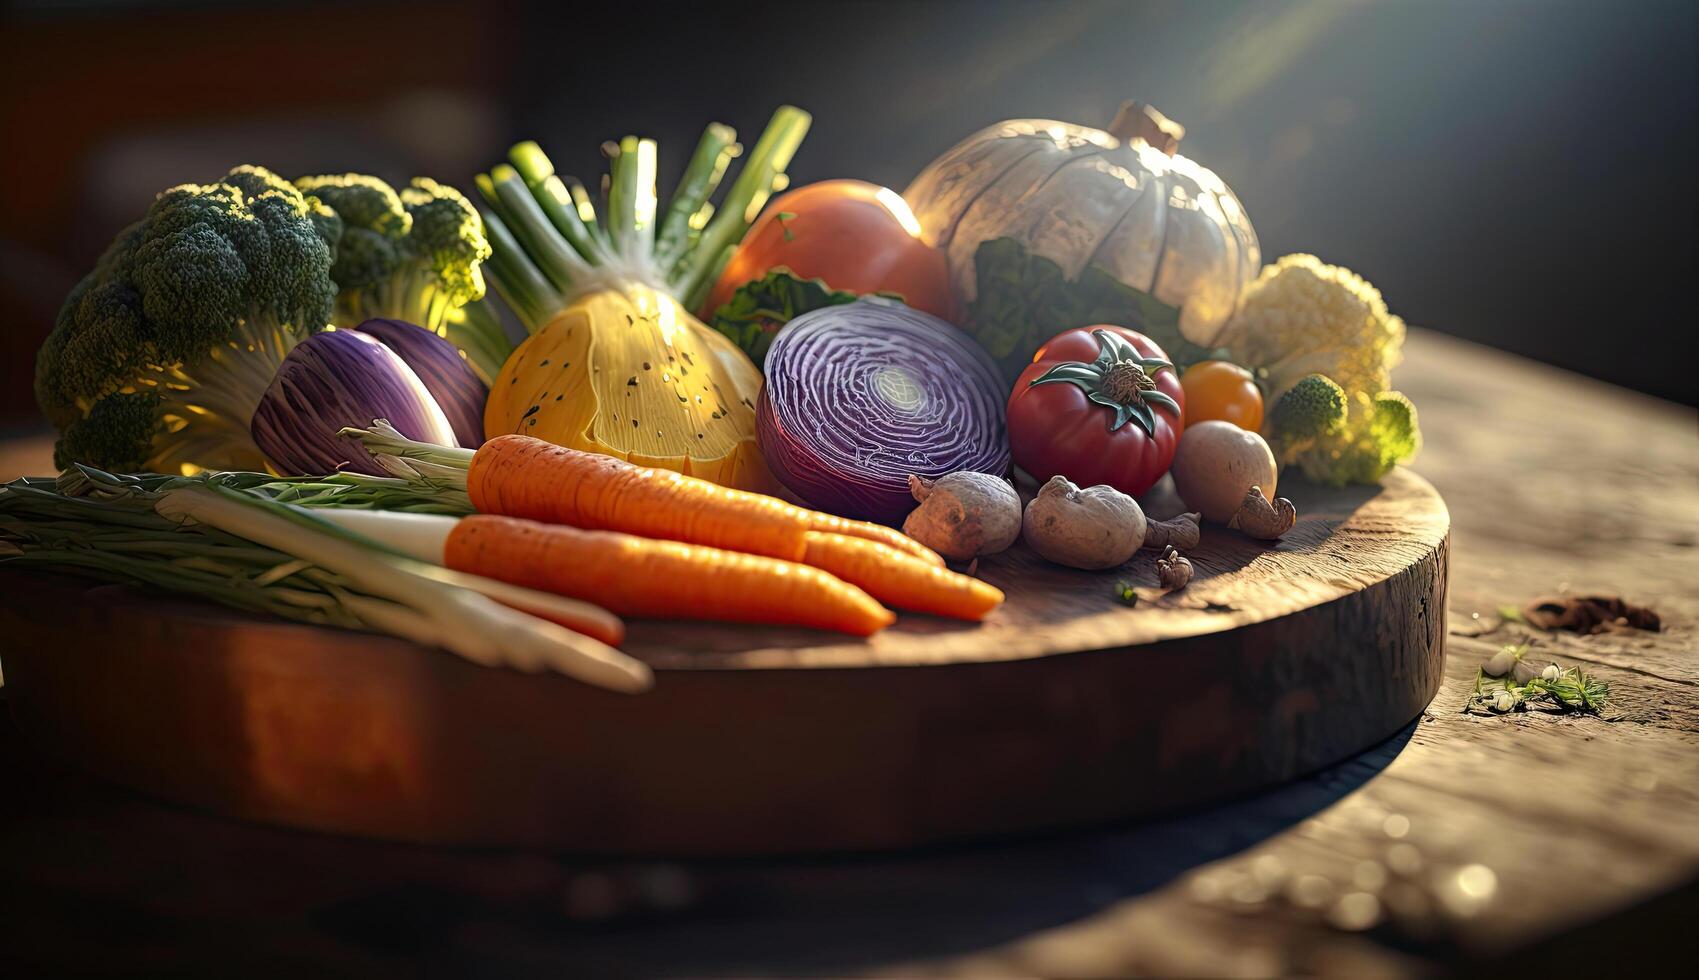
(830, 524)
(422, 536)
(896, 579)
(636, 576)
(519, 476)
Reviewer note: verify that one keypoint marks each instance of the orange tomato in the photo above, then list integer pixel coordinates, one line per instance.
(1222, 391)
(856, 236)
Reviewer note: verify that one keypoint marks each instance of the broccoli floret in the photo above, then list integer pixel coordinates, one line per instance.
(374, 227)
(412, 256)
(119, 430)
(1380, 432)
(194, 307)
(1313, 408)
(1393, 434)
(448, 233)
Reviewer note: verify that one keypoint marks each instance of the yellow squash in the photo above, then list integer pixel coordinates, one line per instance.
(630, 373)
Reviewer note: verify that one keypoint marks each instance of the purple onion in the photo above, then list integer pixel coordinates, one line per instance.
(860, 396)
(335, 379)
(443, 369)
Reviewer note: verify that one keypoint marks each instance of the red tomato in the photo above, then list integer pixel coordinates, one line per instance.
(856, 236)
(1059, 422)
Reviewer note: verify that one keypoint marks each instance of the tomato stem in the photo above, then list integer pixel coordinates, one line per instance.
(1119, 380)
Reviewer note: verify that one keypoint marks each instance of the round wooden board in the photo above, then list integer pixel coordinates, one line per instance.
(1066, 708)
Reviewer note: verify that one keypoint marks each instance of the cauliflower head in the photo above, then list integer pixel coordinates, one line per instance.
(1302, 316)
(1324, 343)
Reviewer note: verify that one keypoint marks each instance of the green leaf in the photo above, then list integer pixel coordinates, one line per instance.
(1119, 409)
(1112, 347)
(757, 311)
(1024, 299)
(1140, 412)
(1087, 376)
(1158, 398)
(1153, 365)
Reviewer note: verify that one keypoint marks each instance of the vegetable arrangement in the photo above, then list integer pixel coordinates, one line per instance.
(1076, 307)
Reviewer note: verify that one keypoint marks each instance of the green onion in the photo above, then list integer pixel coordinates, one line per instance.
(245, 540)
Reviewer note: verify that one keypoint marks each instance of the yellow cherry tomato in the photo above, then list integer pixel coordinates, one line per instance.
(1222, 391)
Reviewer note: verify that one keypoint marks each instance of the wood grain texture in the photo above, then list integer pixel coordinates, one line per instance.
(1587, 824)
(1291, 655)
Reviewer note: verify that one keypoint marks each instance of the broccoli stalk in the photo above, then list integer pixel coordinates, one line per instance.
(414, 255)
(161, 354)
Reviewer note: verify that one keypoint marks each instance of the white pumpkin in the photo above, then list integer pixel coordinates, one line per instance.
(1118, 199)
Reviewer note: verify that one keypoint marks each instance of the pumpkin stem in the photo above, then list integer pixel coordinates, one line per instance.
(1139, 120)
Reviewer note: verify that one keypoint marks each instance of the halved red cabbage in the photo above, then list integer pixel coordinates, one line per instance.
(443, 369)
(862, 395)
(335, 379)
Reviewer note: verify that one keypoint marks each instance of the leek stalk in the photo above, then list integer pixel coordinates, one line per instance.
(550, 246)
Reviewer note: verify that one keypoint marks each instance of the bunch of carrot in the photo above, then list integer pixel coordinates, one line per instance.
(652, 542)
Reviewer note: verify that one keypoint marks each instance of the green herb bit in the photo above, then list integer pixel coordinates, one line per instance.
(1559, 690)
(1126, 594)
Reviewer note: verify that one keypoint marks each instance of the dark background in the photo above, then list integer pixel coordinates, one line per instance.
(1516, 173)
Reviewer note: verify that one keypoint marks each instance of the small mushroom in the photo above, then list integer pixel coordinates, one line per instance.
(1173, 569)
(964, 515)
(1097, 527)
(1215, 463)
(1259, 518)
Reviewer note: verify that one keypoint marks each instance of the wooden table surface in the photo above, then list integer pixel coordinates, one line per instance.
(1463, 842)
